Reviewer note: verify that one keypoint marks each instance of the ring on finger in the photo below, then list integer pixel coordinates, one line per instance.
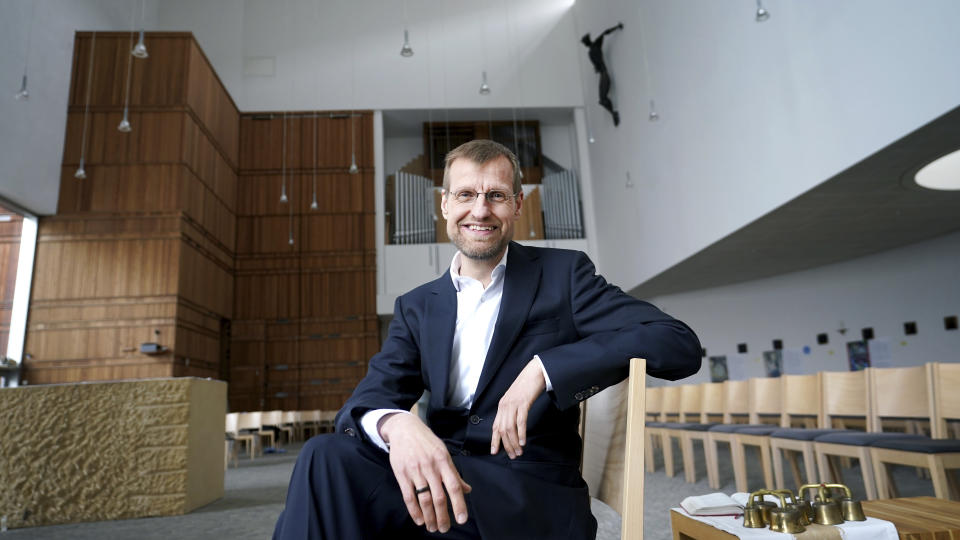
(424, 489)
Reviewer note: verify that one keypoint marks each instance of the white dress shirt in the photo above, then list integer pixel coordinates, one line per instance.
(477, 312)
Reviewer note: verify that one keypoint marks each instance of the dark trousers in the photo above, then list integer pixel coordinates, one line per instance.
(343, 489)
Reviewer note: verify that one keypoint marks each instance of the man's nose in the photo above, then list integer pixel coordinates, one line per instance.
(481, 207)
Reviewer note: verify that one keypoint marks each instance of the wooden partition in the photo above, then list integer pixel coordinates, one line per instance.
(142, 250)
(177, 236)
(305, 319)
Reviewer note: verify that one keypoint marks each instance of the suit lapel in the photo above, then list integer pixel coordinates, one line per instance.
(441, 321)
(519, 289)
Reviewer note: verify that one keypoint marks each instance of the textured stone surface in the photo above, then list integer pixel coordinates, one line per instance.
(112, 450)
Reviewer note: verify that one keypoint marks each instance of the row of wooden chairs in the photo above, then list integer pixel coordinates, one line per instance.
(252, 428)
(815, 416)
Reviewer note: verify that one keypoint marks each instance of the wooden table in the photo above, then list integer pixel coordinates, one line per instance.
(916, 518)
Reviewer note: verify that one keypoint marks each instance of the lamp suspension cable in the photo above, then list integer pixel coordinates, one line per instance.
(583, 88)
(313, 203)
(124, 126)
(406, 50)
(484, 86)
(652, 114)
(283, 159)
(353, 98)
(140, 49)
(81, 173)
(23, 94)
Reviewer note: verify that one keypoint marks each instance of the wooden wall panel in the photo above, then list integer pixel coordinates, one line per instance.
(10, 232)
(206, 96)
(155, 81)
(262, 140)
(267, 296)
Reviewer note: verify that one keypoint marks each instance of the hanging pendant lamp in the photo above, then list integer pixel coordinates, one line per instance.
(762, 14)
(353, 146)
(406, 51)
(81, 172)
(484, 87)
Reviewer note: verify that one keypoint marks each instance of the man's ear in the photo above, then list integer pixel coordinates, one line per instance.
(443, 203)
(519, 202)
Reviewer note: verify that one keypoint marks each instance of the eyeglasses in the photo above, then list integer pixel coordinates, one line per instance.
(467, 196)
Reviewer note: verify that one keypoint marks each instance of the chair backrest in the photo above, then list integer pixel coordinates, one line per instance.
(711, 403)
(736, 401)
(844, 394)
(271, 418)
(691, 402)
(290, 417)
(670, 411)
(801, 399)
(631, 510)
(899, 393)
(249, 420)
(654, 399)
(231, 423)
(946, 397)
(765, 396)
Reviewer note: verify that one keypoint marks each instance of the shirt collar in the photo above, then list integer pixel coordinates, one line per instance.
(458, 280)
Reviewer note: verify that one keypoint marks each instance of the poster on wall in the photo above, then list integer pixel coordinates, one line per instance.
(718, 369)
(773, 363)
(858, 353)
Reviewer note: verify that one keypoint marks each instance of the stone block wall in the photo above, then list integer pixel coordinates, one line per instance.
(110, 450)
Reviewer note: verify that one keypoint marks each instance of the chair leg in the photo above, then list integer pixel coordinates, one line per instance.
(765, 462)
(648, 449)
(689, 470)
(794, 467)
(810, 465)
(739, 465)
(938, 474)
(713, 472)
(667, 441)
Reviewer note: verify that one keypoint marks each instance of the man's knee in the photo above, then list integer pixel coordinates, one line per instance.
(336, 448)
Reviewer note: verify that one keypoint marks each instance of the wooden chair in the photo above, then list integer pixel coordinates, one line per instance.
(937, 455)
(736, 411)
(291, 421)
(687, 428)
(249, 422)
(233, 431)
(711, 414)
(946, 381)
(846, 396)
(310, 422)
(631, 513)
(656, 431)
(802, 405)
(274, 420)
(654, 404)
(765, 412)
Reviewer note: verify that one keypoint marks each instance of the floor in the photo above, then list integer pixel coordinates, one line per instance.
(254, 494)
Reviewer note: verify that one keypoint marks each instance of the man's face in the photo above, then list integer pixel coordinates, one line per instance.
(481, 229)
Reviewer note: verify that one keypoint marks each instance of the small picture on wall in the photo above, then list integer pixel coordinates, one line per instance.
(773, 363)
(859, 355)
(718, 369)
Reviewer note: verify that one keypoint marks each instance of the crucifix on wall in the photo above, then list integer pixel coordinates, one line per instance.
(595, 52)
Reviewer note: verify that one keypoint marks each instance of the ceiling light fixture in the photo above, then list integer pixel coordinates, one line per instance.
(762, 14)
(124, 126)
(942, 173)
(406, 51)
(653, 116)
(283, 161)
(484, 87)
(23, 94)
(81, 172)
(313, 204)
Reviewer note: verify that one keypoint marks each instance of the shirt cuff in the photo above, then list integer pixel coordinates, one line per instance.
(369, 422)
(546, 378)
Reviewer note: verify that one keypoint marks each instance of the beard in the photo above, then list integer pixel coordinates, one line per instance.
(480, 251)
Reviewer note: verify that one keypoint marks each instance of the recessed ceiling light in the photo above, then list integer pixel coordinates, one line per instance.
(942, 173)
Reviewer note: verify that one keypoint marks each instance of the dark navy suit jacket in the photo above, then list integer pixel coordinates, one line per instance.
(585, 332)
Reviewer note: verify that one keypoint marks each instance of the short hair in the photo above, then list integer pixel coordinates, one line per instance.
(482, 151)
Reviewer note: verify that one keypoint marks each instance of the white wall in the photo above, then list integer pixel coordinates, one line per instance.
(398, 151)
(338, 54)
(32, 131)
(752, 114)
(914, 283)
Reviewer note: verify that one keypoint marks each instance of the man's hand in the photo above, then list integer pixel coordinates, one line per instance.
(510, 425)
(420, 460)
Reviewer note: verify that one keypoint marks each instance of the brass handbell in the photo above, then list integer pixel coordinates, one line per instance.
(826, 511)
(754, 513)
(786, 519)
(800, 504)
(850, 509)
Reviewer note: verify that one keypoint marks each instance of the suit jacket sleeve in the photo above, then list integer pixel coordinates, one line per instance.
(393, 380)
(612, 328)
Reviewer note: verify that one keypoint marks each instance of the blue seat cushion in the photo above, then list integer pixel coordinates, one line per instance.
(655, 424)
(859, 438)
(924, 445)
(689, 426)
(757, 430)
(733, 428)
(802, 434)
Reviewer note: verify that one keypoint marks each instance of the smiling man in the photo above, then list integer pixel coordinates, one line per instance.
(508, 343)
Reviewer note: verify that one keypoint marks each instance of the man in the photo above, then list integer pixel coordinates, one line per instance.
(507, 344)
